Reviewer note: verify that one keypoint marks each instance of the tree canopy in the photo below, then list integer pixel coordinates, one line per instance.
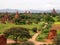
(17, 32)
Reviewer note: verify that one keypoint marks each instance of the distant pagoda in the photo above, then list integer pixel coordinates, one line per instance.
(17, 15)
(28, 13)
(54, 11)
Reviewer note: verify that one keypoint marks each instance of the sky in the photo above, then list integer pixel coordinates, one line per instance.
(30, 4)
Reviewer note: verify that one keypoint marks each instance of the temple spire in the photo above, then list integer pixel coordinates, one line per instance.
(17, 15)
(54, 11)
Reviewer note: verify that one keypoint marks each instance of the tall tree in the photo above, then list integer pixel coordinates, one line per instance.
(17, 32)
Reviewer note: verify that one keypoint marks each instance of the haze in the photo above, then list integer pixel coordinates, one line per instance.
(30, 4)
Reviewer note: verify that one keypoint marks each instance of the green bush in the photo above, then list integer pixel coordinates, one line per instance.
(34, 29)
(27, 43)
(13, 44)
(41, 37)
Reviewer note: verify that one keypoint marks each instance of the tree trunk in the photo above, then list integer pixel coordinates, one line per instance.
(16, 40)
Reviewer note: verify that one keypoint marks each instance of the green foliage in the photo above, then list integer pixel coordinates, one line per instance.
(17, 21)
(34, 29)
(31, 32)
(47, 28)
(27, 43)
(41, 37)
(17, 32)
(13, 44)
(44, 32)
(23, 22)
(49, 19)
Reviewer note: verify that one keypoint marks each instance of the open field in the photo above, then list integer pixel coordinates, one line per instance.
(3, 27)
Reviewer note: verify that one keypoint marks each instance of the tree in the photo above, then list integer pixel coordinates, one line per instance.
(34, 29)
(17, 32)
(17, 20)
(48, 19)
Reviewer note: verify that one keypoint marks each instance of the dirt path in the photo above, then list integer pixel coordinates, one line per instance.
(38, 43)
(33, 39)
(47, 41)
(10, 41)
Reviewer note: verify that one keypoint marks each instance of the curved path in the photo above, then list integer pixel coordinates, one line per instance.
(38, 43)
(47, 41)
(10, 41)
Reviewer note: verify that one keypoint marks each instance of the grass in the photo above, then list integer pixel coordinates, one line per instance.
(31, 32)
(41, 37)
(57, 23)
(3, 27)
(58, 31)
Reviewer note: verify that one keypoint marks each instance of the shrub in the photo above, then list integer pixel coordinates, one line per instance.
(34, 29)
(27, 43)
(41, 37)
(13, 44)
(17, 32)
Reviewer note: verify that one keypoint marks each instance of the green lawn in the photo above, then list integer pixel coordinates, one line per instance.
(3, 27)
(57, 23)
(58, 31)
(10, 25)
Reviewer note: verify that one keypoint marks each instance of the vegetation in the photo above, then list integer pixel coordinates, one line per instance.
(11, 25)
(57, 40)
(27, 43)
(17, 32)
(34, 29)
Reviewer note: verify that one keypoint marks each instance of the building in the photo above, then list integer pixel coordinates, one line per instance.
(17, 15)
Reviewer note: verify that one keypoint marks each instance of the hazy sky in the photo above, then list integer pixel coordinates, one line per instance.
(29, 4)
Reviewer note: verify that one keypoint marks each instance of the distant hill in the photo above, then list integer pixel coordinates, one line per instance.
(22, 11)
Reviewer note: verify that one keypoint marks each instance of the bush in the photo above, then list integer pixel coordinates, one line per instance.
(13, 44)
(50, 44)
(41, 37)
(27, 43)
(17, 32)
(34, 29)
